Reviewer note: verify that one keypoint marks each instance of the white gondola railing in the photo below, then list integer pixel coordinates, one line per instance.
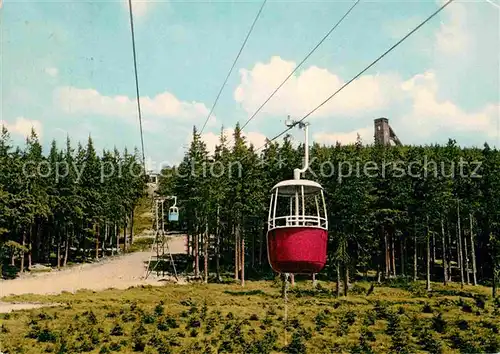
(298, 221)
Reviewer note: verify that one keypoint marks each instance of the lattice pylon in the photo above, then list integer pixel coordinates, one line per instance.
(160, 242)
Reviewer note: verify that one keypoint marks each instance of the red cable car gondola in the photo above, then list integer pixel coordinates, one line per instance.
(297, 233)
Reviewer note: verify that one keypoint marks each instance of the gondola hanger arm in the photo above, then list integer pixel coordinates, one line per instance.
(302, 125)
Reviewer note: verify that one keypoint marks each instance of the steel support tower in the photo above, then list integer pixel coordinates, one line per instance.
(161, 242)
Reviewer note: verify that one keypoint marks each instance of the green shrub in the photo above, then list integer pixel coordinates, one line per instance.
(159, 310)
(364, 346)
(138, 343)
(393, 323)
(480, 301)
(210, 325)
(358, 290)
(296, 345)
(91, 317)
(129, 317)
(380, 309)
(320, 320)
(264, 345)
(117, 330)
(439, 323)
(370, 318)
(105, 349)
(427, 308)
(46, 335)
(465, 343)
(148, 318)
(350, 317)
(430, 343)
(462, 324)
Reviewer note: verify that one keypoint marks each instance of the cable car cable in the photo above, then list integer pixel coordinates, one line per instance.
(137, 84)
(494, 4)
(234, 63)
(361, 72)
(300, 64)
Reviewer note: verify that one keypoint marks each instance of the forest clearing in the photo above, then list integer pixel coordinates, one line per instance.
(119, 272)
(237, 242)
(217, 318)
(410, 268)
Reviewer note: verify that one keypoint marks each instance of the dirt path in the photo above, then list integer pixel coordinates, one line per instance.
(6, 307)
(118, 272)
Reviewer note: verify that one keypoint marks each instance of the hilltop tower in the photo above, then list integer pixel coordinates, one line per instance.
(384, 133)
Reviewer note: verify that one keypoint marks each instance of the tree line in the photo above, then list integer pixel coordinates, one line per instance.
(67, 205)
(419, 212)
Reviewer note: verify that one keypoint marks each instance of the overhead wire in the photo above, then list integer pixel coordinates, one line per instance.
(494, 4)
(137, 84)
(232, 66)
(360, 73)
(300, 64)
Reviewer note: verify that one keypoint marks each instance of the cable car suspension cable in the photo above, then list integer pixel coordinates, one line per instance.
(300, 64)
(361, 72)
(234, 63)
(137, 84)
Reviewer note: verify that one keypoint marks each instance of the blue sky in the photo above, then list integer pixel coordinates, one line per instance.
(67, 68)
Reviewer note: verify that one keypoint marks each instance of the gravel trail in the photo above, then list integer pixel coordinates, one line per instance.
(118, 272)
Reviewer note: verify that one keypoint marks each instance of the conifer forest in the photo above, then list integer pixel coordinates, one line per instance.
(65, 205)
(438, 220)
(413, 250)
(417, 212)
(152, 201)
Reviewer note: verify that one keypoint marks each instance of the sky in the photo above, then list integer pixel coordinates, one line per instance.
(67, 69)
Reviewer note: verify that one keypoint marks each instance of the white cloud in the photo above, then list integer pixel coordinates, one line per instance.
(51, 71)
(165, 105)
(423, 108)
(23, 126)
(139, 7)
(425, 117)
(413, 106)
(255, 138)
(80, 133)
(429, 115)
(453, 36)
(211, 139)
(309, 88)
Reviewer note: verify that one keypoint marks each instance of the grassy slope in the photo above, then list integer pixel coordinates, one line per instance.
(173, 319)
(142, 217)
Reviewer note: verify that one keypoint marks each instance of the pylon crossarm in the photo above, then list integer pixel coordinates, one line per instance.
(302, 125)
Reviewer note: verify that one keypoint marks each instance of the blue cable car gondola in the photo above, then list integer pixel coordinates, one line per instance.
(173, 214)
(173, 211)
